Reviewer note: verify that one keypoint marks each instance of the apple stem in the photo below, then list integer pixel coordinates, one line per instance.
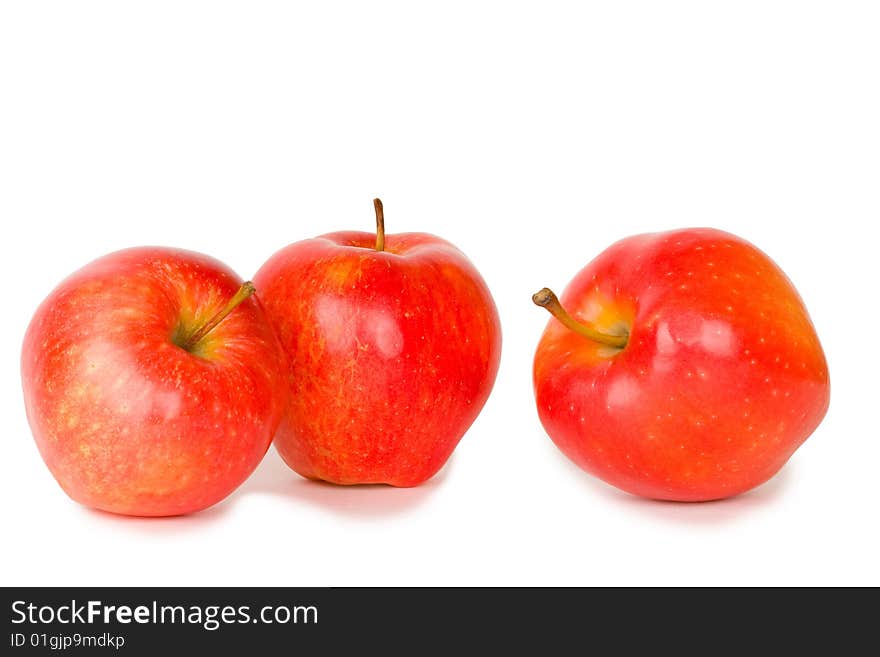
(246, 290)
(547, 299)
(380, 224)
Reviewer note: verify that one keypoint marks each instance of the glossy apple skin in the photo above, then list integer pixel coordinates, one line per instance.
(392, 354)
(722, 379)
(127, 421)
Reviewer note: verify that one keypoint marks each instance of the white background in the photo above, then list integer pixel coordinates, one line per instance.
(530, 134)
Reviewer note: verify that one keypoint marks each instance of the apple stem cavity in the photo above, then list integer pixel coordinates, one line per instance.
(380, 224)
(245, 291)
(547, 299)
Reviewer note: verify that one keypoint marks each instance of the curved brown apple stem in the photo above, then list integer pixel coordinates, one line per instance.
(380, 224)
(547, 299)
(246, 290)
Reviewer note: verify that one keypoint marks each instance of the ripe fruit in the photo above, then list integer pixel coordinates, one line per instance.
(393, 345)
(687, 370)
(152, 382)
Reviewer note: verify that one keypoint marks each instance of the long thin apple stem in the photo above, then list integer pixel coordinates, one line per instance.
(246, 290)
(547, 299)
(380, 224)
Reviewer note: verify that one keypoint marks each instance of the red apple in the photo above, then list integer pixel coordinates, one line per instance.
(687, 370)
(393, 345)
(152, 382)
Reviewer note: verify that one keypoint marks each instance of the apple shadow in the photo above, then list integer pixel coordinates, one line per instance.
(691, 513)
(166, 524)
(273, 477)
